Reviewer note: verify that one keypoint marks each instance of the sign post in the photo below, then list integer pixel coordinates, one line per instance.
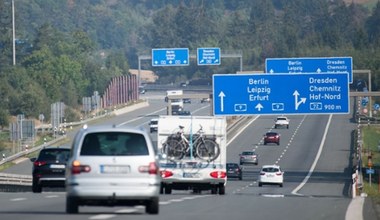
(253, 94)
(208, 56)
(310, 65)
(170, 57)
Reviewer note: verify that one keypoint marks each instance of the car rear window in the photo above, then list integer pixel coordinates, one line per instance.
(61, 155)
(248, 153)
(232, 165)
(270, 170)
(114, 144)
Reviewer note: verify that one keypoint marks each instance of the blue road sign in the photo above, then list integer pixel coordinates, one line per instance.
(256, 94)
(170, 57)
(310, 65)
(376, 106)
(370, 171)
(208, 56)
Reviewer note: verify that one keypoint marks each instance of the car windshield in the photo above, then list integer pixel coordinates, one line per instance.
(281, 118)
(60, 155)
(114, 144)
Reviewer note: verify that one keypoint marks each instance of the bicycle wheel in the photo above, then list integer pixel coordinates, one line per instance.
(208, 150)
(174, 149)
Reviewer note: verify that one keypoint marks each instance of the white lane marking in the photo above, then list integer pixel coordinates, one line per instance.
(130, 210)
(273, 195)
(295, 191)
(103, 216)
(241, 130)
(52, 196)
(18, 199)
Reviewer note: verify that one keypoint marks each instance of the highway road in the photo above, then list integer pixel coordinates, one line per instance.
(314, 153)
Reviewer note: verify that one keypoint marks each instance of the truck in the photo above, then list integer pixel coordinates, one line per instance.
(192, 152)
(178, 102)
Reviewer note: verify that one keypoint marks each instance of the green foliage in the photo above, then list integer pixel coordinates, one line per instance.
(70, 49)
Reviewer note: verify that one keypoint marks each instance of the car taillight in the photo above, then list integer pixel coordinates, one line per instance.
(278, 173)
(77, 168)
(152, 168)
(166, 173)
(218, 174)
(262, 173)
(39, 163)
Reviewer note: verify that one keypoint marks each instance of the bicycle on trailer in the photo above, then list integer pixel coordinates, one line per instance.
(178, 146)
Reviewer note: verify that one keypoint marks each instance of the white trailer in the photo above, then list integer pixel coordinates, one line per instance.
(192, 153)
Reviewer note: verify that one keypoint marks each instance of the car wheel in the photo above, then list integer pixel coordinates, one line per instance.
(260, 184)
(214, 190)
(240, 177)
(241, 163)
(278, 143)
(162, 189)
(36, 188)
(197, 191)
(168, 190)
(281, 185)
(287, 126)
(275, 126)
(152, 206)
(72, 205)
(265, 143)
(222, 190)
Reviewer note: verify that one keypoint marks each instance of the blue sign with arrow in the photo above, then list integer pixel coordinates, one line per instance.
(310, 65)
(251, 94)
(170, 57)
(208, 56)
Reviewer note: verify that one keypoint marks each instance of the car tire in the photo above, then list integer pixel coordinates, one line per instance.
(241, 177)
(168, 190)
(152, 207)
(222, 190)
(281, 185)
(241, 163)
(36, 188)
(260, 184)
(278, 143)
(72, 206)
(214, 190)
(265, 143)
(162, 189)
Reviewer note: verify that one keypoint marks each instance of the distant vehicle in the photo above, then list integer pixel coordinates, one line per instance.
(249, 157)
(205, 100)
(49, 167)
(234, 171)
(183, 84)
(187, 100)
(153, 125)
(112, 166)
(142, 90)
(184, 112)
(176, 109)
(271, 174)
(272, 137)
(281, 121)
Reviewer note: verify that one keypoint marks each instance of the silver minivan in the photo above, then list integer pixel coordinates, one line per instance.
(112, 166)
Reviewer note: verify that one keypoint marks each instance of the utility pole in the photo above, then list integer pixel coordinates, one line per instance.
(13, 33)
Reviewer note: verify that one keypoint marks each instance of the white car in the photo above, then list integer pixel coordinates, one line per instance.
(271, 175)
(281, 121)
(112, 166)
(153, 125)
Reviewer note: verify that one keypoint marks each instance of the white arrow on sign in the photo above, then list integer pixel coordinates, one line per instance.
(319, 70)
(259, 107)
(221, 95)
(298, 103)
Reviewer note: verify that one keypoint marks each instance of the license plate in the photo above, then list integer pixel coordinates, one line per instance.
(58, 166)
(114, 169)
(270, 175)
(190, 175)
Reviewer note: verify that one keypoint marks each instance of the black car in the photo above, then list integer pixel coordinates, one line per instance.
(234, 171)
(49, 167)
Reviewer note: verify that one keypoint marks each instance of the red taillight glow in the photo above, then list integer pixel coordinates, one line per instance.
(262, 173)
(166, 173)
(278, 173)
(39, 163)
(218, 174)
(77, 168)
(152, 168)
